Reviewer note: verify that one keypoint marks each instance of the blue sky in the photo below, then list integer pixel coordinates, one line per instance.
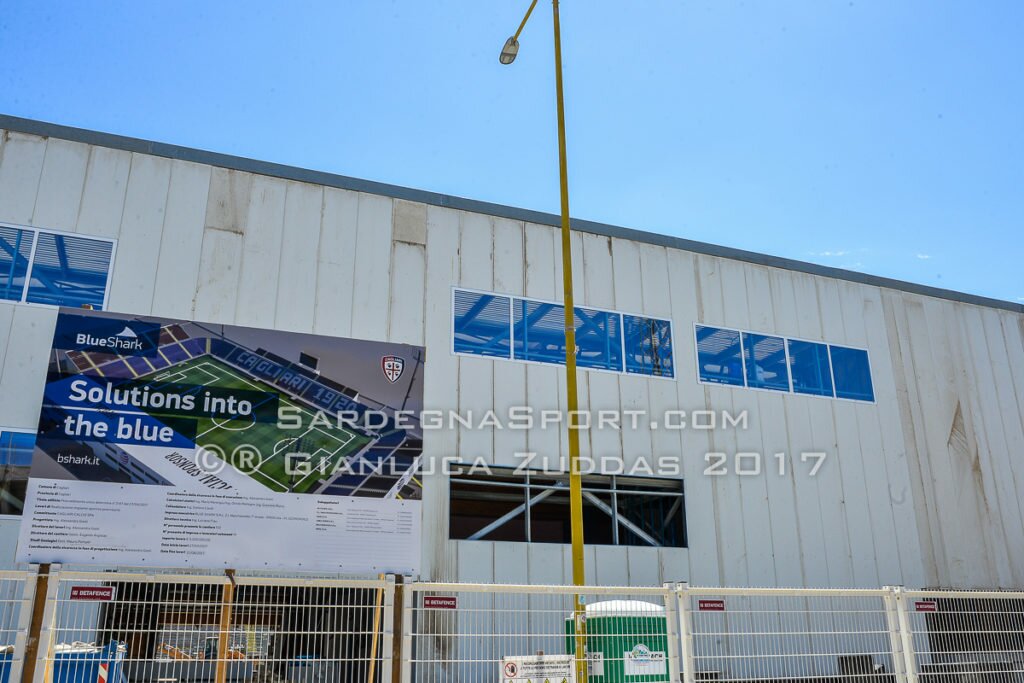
(883, 136)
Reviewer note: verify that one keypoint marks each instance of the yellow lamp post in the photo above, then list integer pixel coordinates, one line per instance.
(507, 56)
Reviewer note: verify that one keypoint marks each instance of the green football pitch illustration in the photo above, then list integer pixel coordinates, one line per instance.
(264, 460)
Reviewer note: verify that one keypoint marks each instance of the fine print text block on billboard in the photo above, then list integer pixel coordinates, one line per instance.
(181, 444)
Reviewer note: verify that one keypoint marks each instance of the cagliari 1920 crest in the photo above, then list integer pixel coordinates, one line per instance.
(393, 367)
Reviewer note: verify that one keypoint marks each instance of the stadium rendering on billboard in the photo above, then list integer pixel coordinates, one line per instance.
(160, 443)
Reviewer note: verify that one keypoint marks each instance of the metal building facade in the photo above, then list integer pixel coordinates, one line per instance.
(922, 487)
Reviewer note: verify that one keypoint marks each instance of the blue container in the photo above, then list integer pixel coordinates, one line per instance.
(84, 667)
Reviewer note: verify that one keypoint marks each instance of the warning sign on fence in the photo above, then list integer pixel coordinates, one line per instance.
(539, 669)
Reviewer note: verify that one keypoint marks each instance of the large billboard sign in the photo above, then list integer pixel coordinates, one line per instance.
(167, 443)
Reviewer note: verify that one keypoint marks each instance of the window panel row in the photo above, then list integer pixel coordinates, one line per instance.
(538, 335)
(761, 361)
(43, 267)
(529, 330)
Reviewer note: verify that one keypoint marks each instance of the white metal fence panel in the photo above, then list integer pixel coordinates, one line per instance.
(966, 636)
(466, 633)
(773, 634)
(139, 628)
(118, 627)
(17, 590)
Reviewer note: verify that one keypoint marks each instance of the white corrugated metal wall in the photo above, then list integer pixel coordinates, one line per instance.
(922, 488)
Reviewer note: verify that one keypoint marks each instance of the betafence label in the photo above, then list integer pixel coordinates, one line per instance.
(926, 606)
(539, 669)
(170, 443)
(440, 602)
(711, 605)
(98, 593)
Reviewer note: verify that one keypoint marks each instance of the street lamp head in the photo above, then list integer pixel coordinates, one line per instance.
(509, 51)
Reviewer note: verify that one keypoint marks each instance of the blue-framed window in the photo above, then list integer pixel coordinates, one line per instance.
(719, 356)
(43, 267)
(763, 361)
(648, 344)
(69, 271)
(15, 460)
(15, 250)
(538, 328)
(764, 357)
(809, 367)
(852, 373)
(523, 329)
(482, 324)
(598, 339)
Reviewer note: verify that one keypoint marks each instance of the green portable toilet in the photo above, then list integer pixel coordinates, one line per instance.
(627, 642)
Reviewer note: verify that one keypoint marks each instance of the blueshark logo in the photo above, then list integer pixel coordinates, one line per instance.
(125, 340)
(107, 335)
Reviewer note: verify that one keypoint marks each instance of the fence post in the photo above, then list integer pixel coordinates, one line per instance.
(35, 623)
(892, 625)
(686, 632)
(672, 629)
(227, 598)
(906, 634)
(387, 641)
(405, 598)
(40, 636)
(26, 612)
